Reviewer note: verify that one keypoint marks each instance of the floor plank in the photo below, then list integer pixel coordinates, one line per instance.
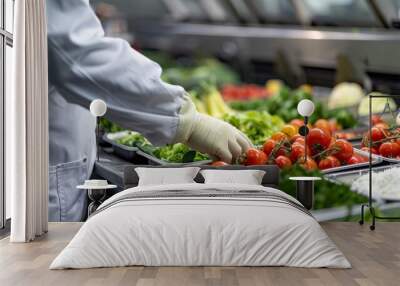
(375, 257)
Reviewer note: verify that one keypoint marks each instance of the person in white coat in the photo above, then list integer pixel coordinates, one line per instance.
(85, 65)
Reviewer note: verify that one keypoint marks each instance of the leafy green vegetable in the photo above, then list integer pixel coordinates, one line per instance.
(178, 153)
(134, 139)
(284, 104)
(175, 153)
(257, 125)
(327, 193)
(108, 126)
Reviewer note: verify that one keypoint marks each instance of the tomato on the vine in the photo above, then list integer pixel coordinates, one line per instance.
(342, 149)
(318, 140)
(300, 140)
(295, 137)
(269, 146)
(324, 125)
(329, 162)
(310, 164)
(389, 149)
(255, 157)
(283, 162)
(377, 134)
(297, 152)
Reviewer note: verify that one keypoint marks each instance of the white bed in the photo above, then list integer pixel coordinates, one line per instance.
(246, 225)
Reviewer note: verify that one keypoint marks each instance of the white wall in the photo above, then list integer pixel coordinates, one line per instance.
(9, 66)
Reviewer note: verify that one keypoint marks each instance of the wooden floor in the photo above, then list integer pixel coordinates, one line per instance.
(375, 257)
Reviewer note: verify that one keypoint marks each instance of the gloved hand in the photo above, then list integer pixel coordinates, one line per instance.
(210, 135)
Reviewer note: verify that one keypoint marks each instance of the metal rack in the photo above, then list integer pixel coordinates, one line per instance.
(370, 205)
(250, 34)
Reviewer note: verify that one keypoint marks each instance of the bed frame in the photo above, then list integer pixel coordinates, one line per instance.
(270, 179)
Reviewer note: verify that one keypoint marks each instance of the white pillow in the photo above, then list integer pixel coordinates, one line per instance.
(166, 176)
(247, 177)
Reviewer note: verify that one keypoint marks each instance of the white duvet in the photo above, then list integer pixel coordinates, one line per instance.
(200, 231)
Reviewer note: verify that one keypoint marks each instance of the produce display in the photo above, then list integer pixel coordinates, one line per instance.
(284, 104)
(268, 116)
(286, 148)
(385, 139)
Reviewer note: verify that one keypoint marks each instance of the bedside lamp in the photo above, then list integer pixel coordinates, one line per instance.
(305, 185)
(305, 108)
(98, 108)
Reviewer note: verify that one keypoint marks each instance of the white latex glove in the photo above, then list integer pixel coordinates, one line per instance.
(210, 135)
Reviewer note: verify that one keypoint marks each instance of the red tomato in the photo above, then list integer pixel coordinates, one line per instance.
(279, 136)
(295, 137)
(297, 122)
(269, 146)
(255, 157)
(318, 140)
(310, 164)
(328, 162)
(342, 149)
(300, 140)
(219, 163)
(356, 159)
(283, 151)
(389, 149)
(283, 162)
(366, 149)
(324, 125)
(376, 134)
(297, 152)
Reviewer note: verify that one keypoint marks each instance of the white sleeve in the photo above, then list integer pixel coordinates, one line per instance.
(84, 65)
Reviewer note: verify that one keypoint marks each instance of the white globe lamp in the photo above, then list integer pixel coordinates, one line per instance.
(98, 107)
(305, 108)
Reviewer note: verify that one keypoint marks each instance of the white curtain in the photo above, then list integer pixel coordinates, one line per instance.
(27, 124)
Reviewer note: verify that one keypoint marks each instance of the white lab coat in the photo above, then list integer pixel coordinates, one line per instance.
(85, 65)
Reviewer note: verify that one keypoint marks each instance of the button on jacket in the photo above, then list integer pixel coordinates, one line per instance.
(85, 65)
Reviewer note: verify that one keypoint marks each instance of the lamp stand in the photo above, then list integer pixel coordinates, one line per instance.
(97, 138)
(303, 131)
